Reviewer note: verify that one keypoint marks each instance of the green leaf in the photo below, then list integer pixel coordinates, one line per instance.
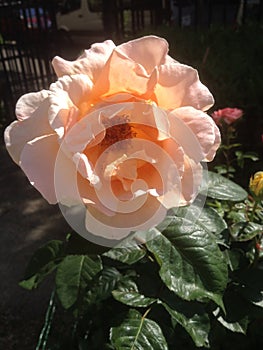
(138, 333)
(42, 263)
(127, 254)
(228, 147)
(191, 264)
(205, 217)
(126, 284)
(219, 187)
(241, 156)
(238, 212)
(132, 298)
(102, 286)
(73, 276)
(236, 315)
(245, 231)
(237, 327)
(192, 318)
(236, 259)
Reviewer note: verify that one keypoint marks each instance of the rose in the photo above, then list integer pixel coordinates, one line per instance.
(120, 135)
(227, 115)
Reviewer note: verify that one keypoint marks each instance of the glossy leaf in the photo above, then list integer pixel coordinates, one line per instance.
(102, 285)
(236, 259)
(191, 264)
(219, 187)
(205, 217)
(126, 284)
(138, 332)
(237, 327)
(127, 254)
(132, 298)
(193, 319)
(42, 263)
(245, 231)
(236, 315)
(73, 275)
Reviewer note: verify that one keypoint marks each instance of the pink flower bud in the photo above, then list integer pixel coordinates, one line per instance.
(228, 115)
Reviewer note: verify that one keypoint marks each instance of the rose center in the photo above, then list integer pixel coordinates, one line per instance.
(118, 130)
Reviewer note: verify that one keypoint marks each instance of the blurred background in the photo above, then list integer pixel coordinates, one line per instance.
(222, 39)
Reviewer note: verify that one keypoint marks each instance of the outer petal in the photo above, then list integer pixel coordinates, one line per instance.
(78, 87)
(211, 154)
(67, 99)
(149, 51)
(119, 225)
(19, 133)
(179, 85)
(191, 181)
(90, 62)
(66, 180)
(27, 104)
(38, 161)
(195, 131)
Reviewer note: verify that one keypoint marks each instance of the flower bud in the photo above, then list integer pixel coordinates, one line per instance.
(227, 115)
(256, 185)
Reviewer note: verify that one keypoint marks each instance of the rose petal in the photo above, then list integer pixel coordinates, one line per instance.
(179, 85)
(149, 51)
(67, 96)
(119, 226)
(191, 181)
(114, 78)
(38, 161)
(78, 87)
(211, 154)
(20, 132)
(90, 62)
(85, 168)
(132, 68)
(28, 103)
(195, 131)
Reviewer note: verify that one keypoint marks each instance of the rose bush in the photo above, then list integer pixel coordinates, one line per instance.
(121, 133)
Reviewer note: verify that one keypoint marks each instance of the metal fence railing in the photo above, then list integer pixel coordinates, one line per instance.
(197, 13)
(206, 13)
(29, 32)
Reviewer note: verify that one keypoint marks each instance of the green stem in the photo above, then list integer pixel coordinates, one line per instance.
(142, 320)
(226, 154)
(256, 253)
(43, 337)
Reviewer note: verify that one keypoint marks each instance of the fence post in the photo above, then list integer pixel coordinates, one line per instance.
(110, 16)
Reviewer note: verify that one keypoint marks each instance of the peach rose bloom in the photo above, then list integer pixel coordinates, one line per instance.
(228, 115)
(121, 133)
